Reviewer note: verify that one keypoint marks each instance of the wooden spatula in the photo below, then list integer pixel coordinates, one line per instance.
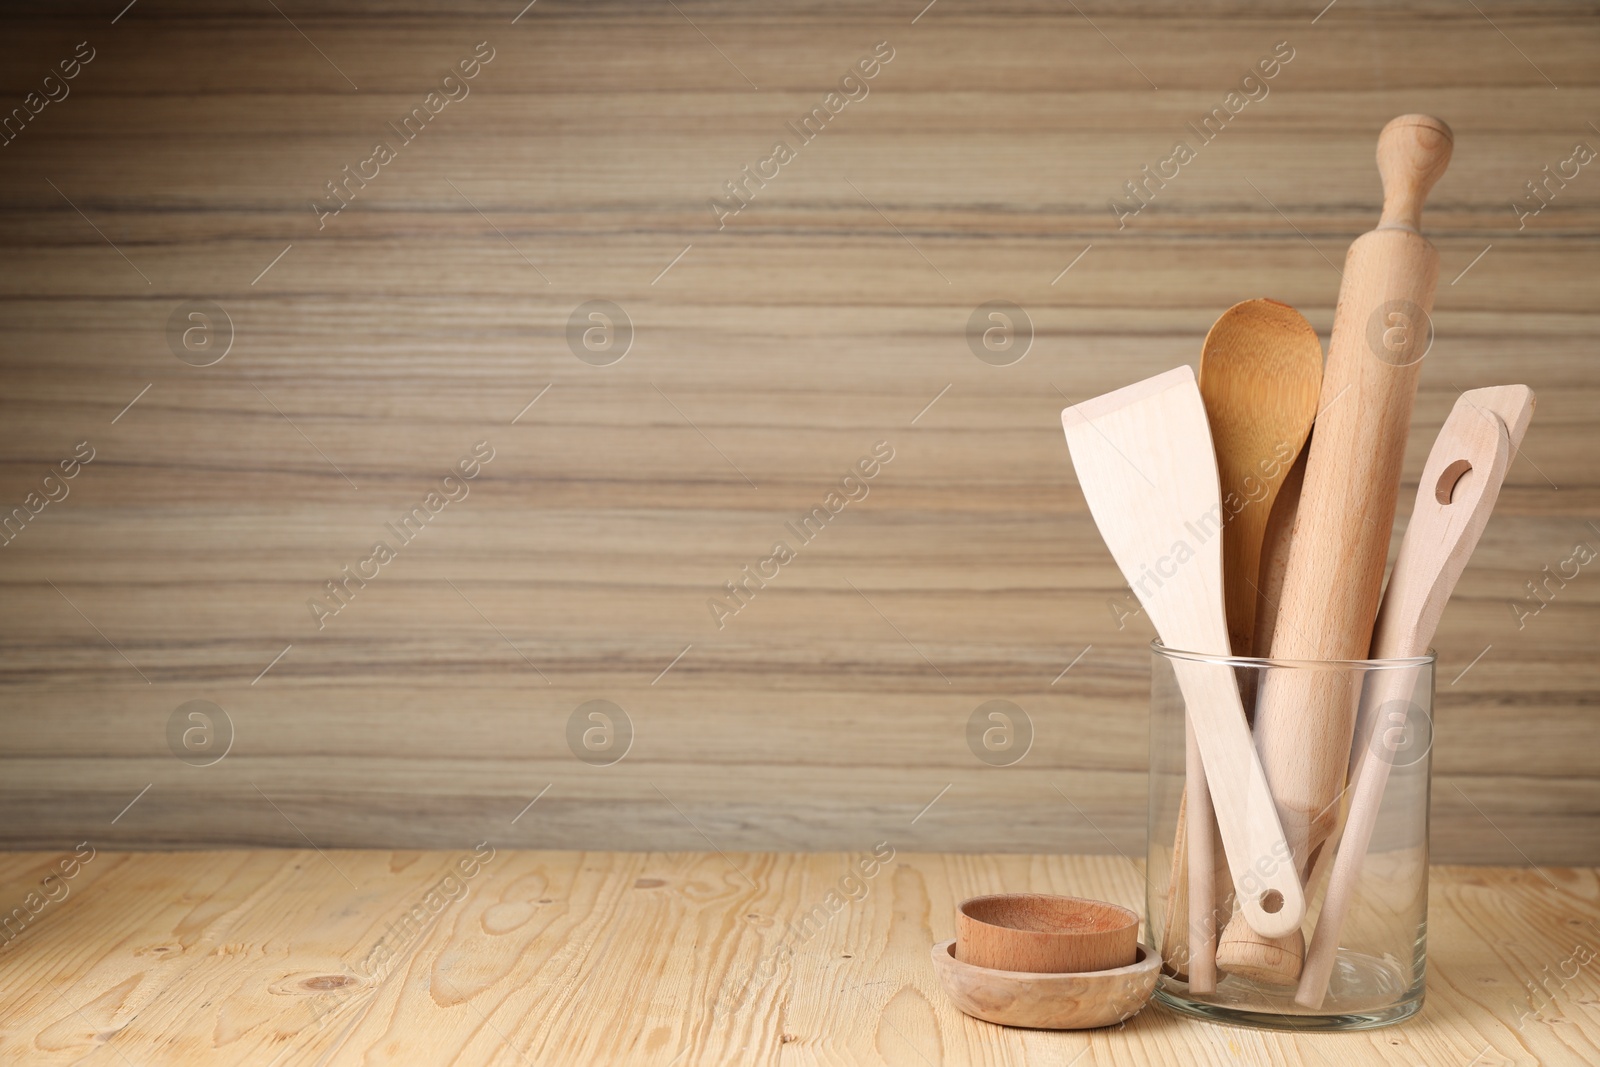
(1459, 486)
(1145, 462)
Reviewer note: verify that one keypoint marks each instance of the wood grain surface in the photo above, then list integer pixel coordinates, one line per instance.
(653, 958)
(768, 358)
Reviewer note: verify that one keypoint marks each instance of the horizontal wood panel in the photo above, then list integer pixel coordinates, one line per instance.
(824, 318)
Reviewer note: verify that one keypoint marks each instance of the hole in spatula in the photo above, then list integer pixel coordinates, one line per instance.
(1272, 902)
(1450, 479)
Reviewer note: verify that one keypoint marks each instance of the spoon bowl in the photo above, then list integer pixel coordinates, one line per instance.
(1260, 377)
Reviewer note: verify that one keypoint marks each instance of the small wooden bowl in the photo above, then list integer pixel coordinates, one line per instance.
(1045, 934)
(1048, 1001)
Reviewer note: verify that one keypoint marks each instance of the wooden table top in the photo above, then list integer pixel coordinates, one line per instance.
(288, 957)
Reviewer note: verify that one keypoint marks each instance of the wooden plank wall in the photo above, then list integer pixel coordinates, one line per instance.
(373, 349)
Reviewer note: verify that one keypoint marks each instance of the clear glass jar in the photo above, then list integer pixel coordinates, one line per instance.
(1372, 861)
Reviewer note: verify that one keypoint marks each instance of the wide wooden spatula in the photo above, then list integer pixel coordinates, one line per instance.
(1146, 466)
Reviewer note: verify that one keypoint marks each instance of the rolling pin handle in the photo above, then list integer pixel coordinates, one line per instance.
(1413, 151)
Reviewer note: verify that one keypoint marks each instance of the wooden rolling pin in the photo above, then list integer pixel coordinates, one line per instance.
(1381, 331)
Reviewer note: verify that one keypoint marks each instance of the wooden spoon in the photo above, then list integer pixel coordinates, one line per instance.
(1275, 553)
(1260, 377)
(1457, 491)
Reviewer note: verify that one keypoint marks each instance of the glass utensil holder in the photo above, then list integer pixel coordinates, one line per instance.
(1372, 857)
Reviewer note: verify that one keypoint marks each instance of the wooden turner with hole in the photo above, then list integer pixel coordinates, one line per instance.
(1145, 463)
(1458, 489)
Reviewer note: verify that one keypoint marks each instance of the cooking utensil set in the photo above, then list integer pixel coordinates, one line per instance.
(1199, 494)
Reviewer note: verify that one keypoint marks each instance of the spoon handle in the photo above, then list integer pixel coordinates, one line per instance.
(1202, 937)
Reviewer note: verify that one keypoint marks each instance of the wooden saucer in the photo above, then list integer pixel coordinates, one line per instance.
(1048, 1001)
